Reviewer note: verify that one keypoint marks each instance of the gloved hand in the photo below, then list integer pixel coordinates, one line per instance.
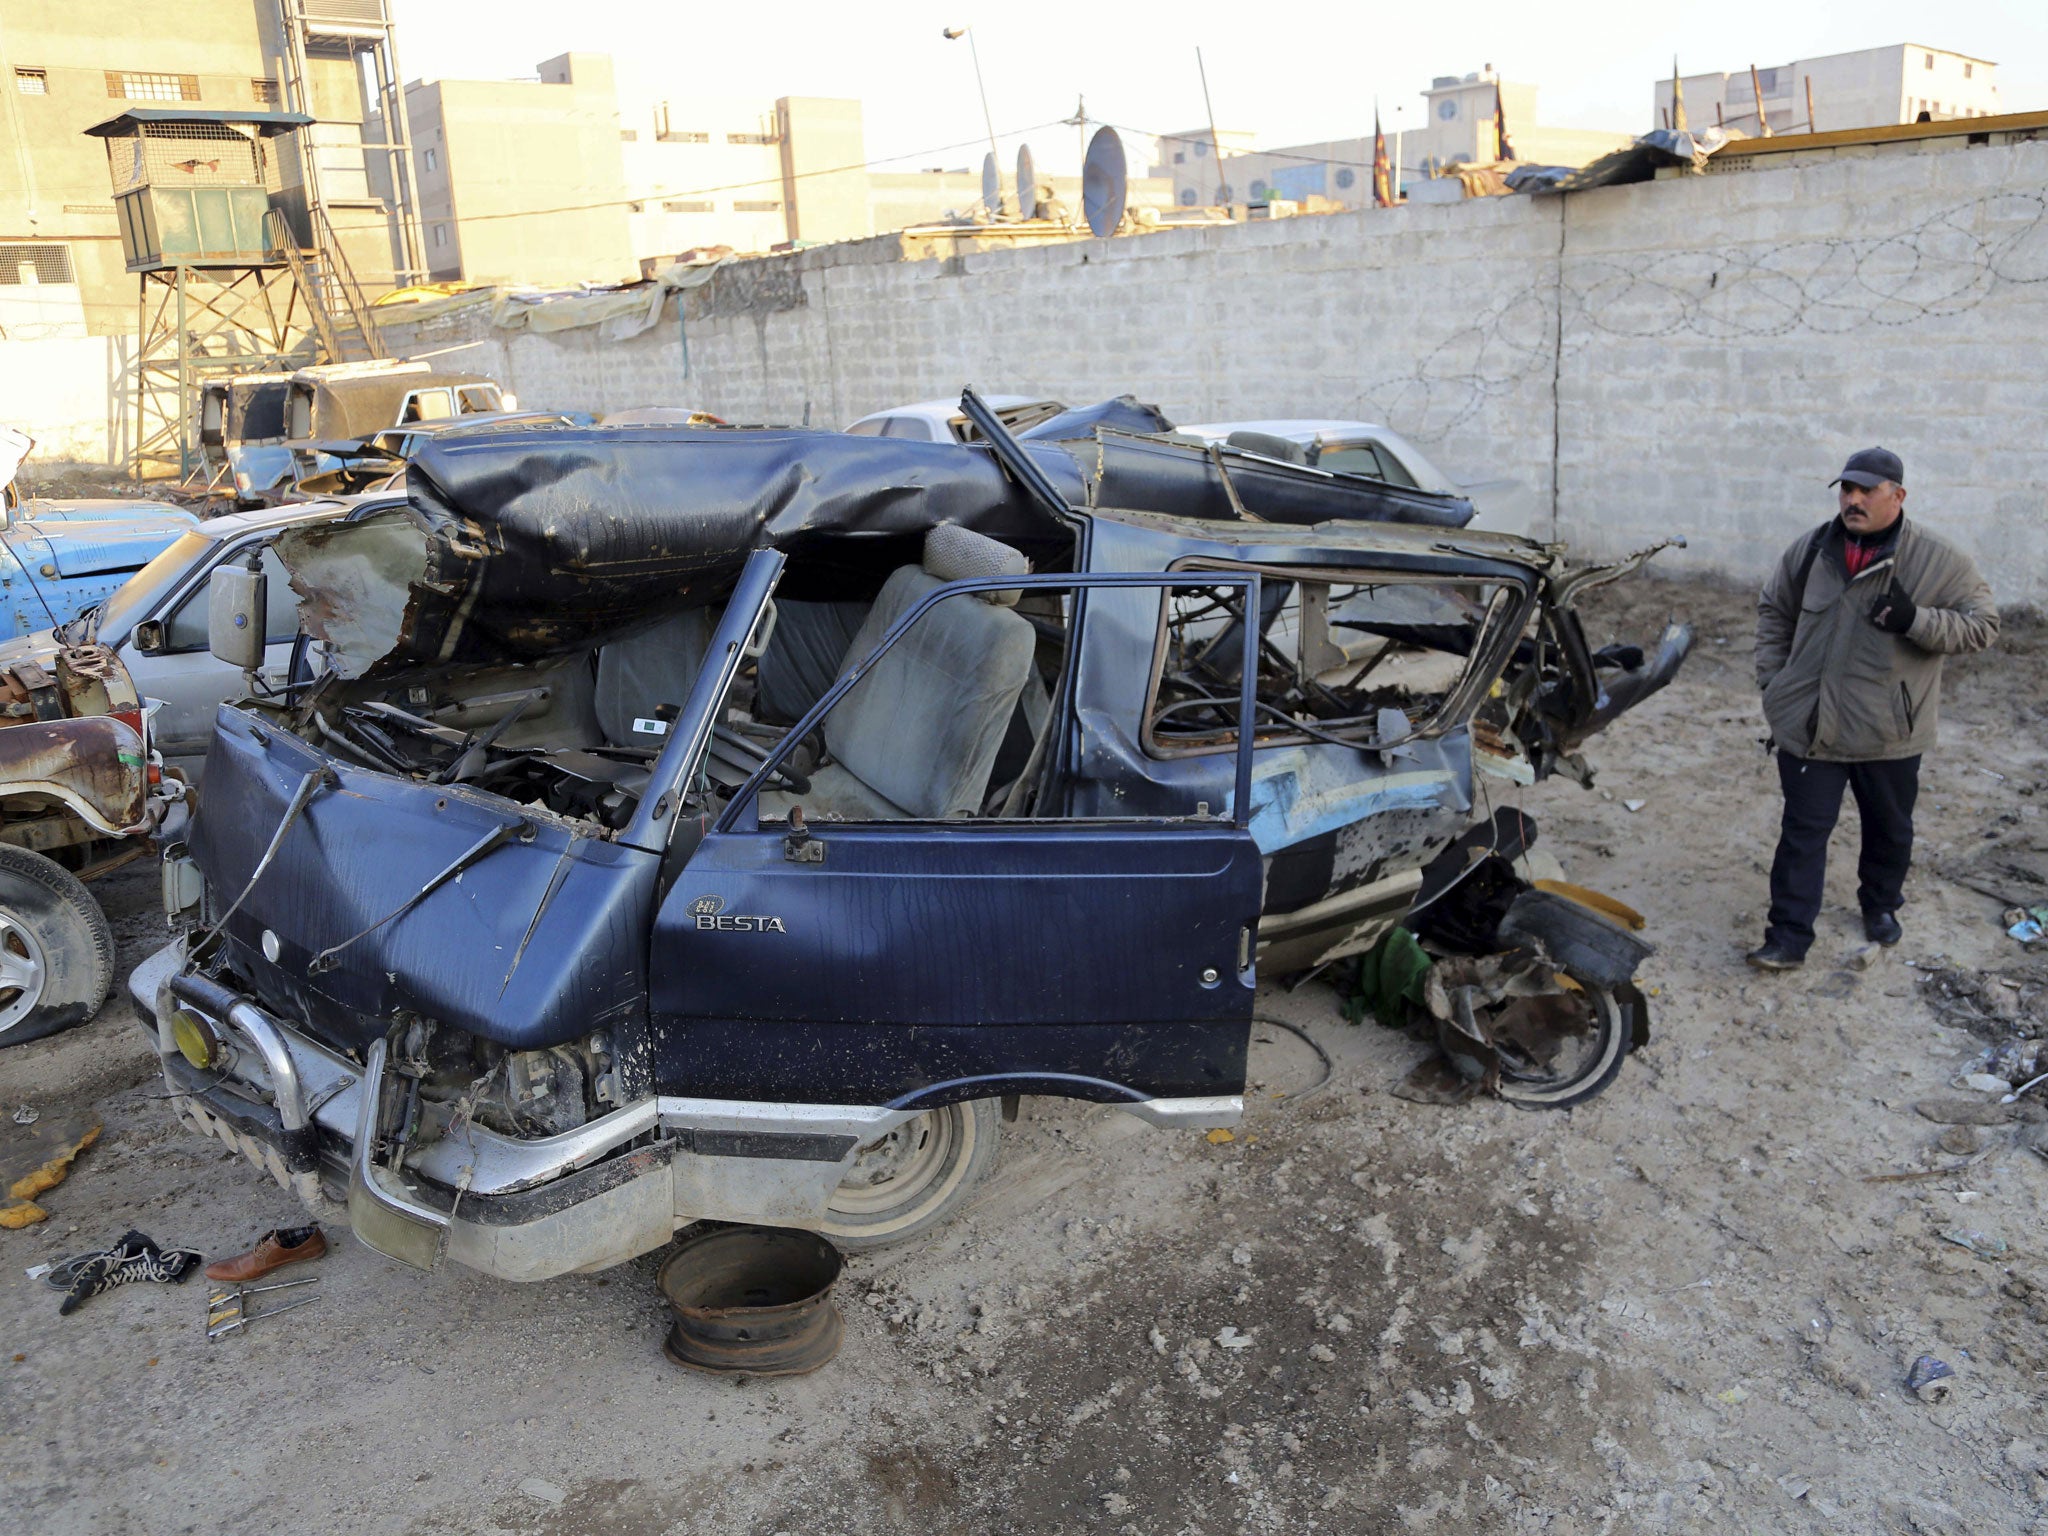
(1893, 612)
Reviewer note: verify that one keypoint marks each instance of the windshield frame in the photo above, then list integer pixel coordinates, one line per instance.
(142, 595)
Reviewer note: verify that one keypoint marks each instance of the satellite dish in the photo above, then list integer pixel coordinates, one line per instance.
(1027, 183)
(991, 184)
(1104, 181)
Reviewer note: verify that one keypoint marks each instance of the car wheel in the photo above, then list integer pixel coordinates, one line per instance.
(1583, 1065)
(56, 950)
(907, 1181)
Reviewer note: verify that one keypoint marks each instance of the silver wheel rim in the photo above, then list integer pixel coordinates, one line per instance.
(23, 972)
(898, 1168)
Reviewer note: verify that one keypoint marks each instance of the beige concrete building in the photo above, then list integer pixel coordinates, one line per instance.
(68, 64)
(557, 180)
(707, 170)
(1866, 89)
(1457, 125)
(523, 181)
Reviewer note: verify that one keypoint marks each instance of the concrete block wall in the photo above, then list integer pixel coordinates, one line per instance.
(1725, 340)
(1439, 319)
(1729, 338)
(1694, 355)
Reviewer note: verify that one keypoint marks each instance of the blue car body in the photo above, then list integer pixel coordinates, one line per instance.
(58, 558)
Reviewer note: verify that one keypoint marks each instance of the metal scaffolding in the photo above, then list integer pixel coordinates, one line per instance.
(362, 29)
(201, 323)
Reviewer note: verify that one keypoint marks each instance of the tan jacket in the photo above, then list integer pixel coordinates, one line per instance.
(1838, 688)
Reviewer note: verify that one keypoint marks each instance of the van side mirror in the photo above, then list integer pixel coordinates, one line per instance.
(148, 638)
(235, 606)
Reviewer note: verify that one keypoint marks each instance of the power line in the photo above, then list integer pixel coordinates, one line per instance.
(1269, 154)
(730, 186)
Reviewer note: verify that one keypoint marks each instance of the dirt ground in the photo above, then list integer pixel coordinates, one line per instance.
(1682, 1307)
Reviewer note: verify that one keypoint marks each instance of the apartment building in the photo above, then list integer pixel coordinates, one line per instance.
(65, 67)
(1866, 89)
(522, 180)
(708, 170)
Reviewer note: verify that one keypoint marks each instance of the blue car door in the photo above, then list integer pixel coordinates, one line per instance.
(914, 960)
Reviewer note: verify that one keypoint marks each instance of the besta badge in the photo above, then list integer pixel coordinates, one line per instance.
(711, 916)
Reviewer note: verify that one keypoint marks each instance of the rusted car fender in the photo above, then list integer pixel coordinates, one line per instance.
(95, 766)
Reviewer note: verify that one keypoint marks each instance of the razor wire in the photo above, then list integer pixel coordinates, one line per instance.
(1941, 267)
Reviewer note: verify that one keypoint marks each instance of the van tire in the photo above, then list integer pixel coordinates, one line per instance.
(56, 950)
(1610, 1040)
(911, 1179)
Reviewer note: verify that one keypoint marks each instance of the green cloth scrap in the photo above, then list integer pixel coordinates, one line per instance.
(1390, 978)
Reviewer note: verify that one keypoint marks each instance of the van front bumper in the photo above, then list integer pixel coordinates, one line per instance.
(519, 1209)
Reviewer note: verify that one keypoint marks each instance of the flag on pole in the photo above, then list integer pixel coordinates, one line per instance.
(1502, 149)
(1382, 168)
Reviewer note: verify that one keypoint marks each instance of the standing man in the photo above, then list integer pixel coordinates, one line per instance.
(1850, 632)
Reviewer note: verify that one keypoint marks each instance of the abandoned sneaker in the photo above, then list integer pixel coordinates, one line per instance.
(1776, 955)
(1882, 928)
(286, 1245)
(135, 1257)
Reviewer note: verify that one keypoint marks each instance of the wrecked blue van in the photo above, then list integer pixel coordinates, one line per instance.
(690, 824)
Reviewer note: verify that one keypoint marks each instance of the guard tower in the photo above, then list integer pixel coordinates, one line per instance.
(221, 290)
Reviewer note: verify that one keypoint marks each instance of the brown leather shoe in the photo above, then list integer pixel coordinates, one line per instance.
(287, 1245)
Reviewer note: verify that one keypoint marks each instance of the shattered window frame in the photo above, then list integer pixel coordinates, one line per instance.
(1024, 803)
(1508, 605)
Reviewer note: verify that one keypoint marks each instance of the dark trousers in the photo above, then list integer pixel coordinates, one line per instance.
(1884, 793)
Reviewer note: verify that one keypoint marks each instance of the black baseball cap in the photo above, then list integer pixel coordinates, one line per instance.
(1871, 467)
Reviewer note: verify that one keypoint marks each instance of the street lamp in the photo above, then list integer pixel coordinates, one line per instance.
(954, 34)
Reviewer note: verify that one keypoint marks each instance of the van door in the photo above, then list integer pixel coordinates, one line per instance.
(891, 951)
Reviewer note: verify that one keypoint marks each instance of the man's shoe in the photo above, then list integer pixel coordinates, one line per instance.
(1882, 928)
(287, 1245)
(1776, 955)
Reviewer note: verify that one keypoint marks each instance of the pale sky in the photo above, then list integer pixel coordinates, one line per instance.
(1292, 73)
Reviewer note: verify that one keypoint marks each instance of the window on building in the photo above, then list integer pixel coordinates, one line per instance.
(1258, 191)
(1968, 69)
(265, 92)
(689, 205)
(133, 85)
(1201, 149)
(1224, 194)
(1187, 197)
(440, 234)
(1346, 178)
(1180, 157)
(751, 138)
(35, 264)
(433, 159)
(1930, 61)
(32, 82)
(758, 205)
